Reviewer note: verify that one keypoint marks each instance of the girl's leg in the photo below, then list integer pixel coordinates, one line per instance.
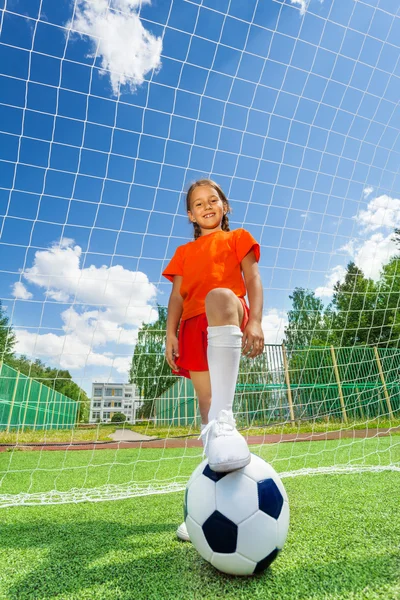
(225, 448)
(202, 386)
(224, 314)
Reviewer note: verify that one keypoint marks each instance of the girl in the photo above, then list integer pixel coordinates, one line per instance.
(207, 303)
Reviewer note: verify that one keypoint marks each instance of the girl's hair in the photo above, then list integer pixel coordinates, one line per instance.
(218, 189)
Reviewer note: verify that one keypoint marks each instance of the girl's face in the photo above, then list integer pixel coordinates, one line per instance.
(206, 209)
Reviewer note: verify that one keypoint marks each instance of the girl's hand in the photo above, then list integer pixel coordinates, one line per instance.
(253, 339)
(172, 351)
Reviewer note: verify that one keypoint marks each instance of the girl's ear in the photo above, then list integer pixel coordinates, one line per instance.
(191, 217)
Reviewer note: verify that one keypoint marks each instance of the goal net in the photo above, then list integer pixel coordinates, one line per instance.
(109, 110)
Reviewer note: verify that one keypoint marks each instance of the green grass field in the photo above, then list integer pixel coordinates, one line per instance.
(343, 541)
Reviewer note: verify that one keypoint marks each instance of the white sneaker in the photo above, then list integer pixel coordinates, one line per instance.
(224, 447)
(182, 532)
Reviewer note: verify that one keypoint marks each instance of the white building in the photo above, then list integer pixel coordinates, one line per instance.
(110, 398)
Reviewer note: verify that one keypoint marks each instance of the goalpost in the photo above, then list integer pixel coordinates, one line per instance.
(293, 108)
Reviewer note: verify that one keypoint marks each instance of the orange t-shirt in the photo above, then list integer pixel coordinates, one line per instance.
(210, 262)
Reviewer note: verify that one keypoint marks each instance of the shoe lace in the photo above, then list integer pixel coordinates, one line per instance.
(224, 424)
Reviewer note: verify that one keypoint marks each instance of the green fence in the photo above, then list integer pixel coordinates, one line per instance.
(26, 403)
(302, 384)
(177, 405)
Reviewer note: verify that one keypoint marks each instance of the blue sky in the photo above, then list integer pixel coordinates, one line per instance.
(108, 110)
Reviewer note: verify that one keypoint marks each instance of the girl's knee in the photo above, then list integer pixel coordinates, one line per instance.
(223, 307)
(222, 296)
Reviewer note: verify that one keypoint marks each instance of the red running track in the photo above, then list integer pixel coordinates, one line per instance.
(183, 442)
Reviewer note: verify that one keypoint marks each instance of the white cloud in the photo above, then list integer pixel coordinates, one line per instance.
(122, 296)
(67, 351)
(372, 254)
(57, 295)
(126, 48)
(95, 329)
(115, 303)
(274, 322)
(20, 292)
(367, 191)
(122, 364)
(336, 274)
(383, 211)
(368, 255)
(303, 5)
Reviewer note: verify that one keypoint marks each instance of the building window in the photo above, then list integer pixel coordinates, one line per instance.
(107, 404)
(113, 391)
(95, 415)
(128, 395)
(96, 404)
(98, 391)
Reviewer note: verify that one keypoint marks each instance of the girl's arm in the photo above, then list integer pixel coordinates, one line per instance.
(253, 336)
(175, 307)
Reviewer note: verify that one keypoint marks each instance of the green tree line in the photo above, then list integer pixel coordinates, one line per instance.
(361, 312)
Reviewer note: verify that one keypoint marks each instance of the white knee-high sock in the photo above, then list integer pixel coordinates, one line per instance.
(223, 355)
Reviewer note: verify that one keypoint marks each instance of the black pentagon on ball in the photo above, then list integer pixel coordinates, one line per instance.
(213, 475)
(221, 533)
(265, 562)
(185, 508)
(270, 499)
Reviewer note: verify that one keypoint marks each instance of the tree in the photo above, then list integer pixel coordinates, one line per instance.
(7, 337)
(118, 417)
(396, 238)
(356, 315)
(388, 304)
(150, 371)
(307, 324)
(252, 396)
(253, 371)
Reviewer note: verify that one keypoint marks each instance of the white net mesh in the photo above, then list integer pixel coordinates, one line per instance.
(109, 109)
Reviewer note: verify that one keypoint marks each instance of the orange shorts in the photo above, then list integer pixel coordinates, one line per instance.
(193, 343)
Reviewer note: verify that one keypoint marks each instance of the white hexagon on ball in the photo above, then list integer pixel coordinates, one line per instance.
(257, 536)
(233, 565)
(236, 496)
(201, 499)
(283, 525)
(198, 540)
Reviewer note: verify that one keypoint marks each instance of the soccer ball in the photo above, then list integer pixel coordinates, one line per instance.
(237, 521)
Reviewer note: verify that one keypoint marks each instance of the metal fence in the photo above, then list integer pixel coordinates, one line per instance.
(28, 404)
(308, 383)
